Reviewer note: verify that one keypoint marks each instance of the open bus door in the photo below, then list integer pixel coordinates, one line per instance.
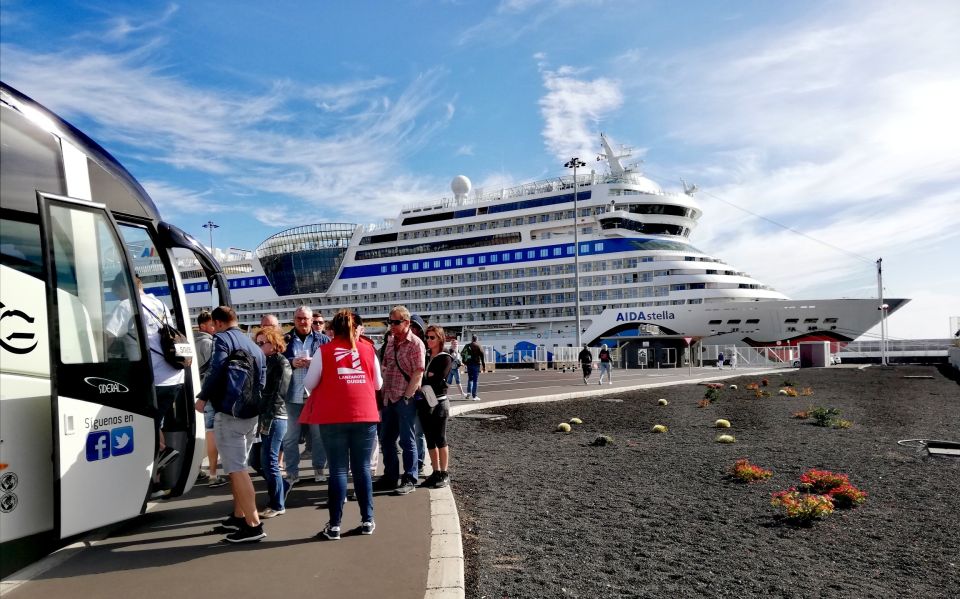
(102, 398)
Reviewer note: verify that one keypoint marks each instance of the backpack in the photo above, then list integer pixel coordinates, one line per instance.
(177, 350)
(466, 355)
(239, 398)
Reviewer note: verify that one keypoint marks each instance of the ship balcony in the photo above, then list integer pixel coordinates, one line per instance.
(627, 224)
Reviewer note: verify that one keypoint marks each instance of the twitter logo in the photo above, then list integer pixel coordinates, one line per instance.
(121, 440)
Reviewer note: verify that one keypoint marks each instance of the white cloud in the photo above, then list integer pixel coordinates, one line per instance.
(843, 127)
(244, 140)
(572, 109)
(122, 28)
(177, 201)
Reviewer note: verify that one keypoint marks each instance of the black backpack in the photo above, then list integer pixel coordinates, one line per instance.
(239, 398)
(177, 350)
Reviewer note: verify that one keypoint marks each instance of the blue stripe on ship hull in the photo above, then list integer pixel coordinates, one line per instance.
(513, 256)
(204, 287)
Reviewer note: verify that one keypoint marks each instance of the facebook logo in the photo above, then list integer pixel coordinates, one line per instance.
(121, 440)
(98, 446)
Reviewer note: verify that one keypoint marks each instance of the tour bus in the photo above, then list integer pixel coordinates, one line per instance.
(77, 405)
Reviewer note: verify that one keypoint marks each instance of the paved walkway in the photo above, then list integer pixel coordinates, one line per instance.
(415, 553)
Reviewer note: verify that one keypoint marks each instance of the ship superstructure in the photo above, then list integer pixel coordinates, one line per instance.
(500, 264)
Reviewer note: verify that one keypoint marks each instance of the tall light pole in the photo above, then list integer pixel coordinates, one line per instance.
(211, 226)
(574, 163)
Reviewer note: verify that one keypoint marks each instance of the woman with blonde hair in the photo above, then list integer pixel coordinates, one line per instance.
(342, 385)
(273, 417)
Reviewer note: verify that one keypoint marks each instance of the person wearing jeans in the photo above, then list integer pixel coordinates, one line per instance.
(273, 419)
(402, 365)
(342, 383)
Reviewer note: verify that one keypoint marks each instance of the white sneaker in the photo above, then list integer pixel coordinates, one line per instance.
(319, 478)
(475, 398)
(271, 513)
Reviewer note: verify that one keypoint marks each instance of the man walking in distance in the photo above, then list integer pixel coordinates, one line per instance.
(586, 362)
(606, 364)
(475, 365)
(302, 342)
(235, 436)
(402, 366)
(203, 340)
(457, 362)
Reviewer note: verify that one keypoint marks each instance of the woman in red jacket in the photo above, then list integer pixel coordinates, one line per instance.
(342, 386)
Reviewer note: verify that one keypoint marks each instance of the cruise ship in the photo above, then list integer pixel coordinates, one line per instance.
(501, 265)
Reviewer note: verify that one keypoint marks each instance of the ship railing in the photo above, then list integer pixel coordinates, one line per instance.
(483, 196)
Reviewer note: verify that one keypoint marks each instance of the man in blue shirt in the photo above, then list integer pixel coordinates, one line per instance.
(302, 343)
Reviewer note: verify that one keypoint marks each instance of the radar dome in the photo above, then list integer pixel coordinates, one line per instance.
(460, 186)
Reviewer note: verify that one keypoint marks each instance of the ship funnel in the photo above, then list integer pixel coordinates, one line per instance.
(460, 186)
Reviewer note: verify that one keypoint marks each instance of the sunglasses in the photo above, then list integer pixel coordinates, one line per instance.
(432, 337)
(317, 322)
(395, 322)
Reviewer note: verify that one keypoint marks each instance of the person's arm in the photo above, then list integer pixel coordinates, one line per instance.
(413, 365)
(312, 379)
(377, 375)
(217, 362)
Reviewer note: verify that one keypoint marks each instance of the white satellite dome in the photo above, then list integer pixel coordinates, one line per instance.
(460, 186)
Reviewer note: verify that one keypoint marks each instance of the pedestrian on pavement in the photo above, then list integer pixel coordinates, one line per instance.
(203, 340)
(435, 411)
(733, 359)
(457, 363)
(235, 436)
(302, 342)
(342, 383)
(419, 328)
(402, 368)
(586, 362)
(475, 364)
(273, 419)
(606, 364)
(720, 360)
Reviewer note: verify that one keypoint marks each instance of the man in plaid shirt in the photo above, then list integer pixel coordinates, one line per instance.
(402, 366)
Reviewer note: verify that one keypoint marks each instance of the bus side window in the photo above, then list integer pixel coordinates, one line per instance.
(91, 276)
(20, 247)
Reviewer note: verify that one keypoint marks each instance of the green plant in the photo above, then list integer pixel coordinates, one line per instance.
(746, 472)
(824, 416)
(802, 508)
(841, 423)
(712, 394)
(602, 440)
(662, 402)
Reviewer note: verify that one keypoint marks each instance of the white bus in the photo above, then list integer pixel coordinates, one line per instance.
(77, 407)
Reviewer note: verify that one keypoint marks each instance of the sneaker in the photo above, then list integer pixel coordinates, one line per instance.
(467, 397)
(609, 382)
(584, 380)
(166, 455)
(367, 528)
(385, 484)
(272, 513)
(202, 477)
(246, 534)
(406, 487)
(232, 522)
(217, 481)
(442, 481)
(319, 478)
(431, 480)
(331, 533)
(475, 398)
(160, 493)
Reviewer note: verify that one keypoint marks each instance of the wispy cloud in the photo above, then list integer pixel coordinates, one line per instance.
(572, 109)
(243, 139)
(121, 28)
(843, 128)
(178, 201)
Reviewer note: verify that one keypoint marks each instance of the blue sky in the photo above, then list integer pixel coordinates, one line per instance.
(836, 119)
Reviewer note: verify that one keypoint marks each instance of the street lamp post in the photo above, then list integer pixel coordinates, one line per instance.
(211, 226)
(574, 163)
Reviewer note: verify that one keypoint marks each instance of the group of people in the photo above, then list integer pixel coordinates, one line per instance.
(352, 397)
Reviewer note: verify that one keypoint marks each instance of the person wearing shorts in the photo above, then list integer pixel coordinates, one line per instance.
(235, 436)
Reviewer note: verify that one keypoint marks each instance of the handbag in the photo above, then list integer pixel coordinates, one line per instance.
(177, 350)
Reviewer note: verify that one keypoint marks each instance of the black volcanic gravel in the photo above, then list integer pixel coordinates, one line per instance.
(654, 515)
